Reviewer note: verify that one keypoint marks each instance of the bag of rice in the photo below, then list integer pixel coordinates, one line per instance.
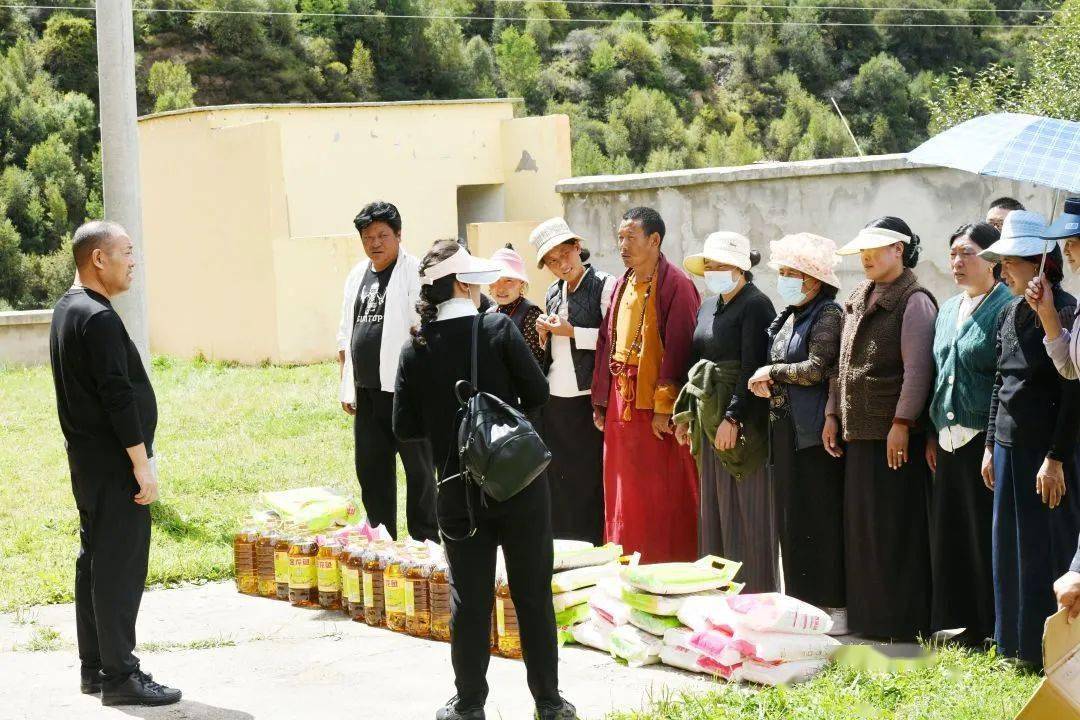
(595, 633)
(708, 573)
(653, 624)
(662, 604)
(565, 600)
(774, 647)
(611, 609)
(716, 645)
(787, 673)
(681, 657)
(635, 646)
(678, 637)
(572, 615)
(571, 554)
(697, 610)
(775, 612)
(570, 580)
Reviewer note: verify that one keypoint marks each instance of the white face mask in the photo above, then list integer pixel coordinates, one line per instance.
(790, 290)
(720, 282)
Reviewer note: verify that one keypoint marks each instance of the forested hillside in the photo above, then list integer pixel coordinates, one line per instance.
(648, 86)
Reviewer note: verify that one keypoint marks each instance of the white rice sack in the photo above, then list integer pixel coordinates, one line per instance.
(681, 578)
(610, 608)
(569, 580)
(565, 600)
(653, 624)
(661, 604)
(716, 645)
(775, 647)
(571, 554)
(678, 637)
(595, 634)
(787, 673)
(696, 611)
(775, 612)
(681, 657)
(635, 646)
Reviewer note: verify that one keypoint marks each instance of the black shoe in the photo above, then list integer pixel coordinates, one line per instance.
(90, 681)
(566, 711)
(451, 711)
(138, 688)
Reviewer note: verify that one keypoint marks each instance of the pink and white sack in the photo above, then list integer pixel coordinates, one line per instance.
(786, 673)
(775, 612)
(768, 647)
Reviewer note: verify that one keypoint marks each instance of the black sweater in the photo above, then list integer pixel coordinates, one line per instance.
(1031, 404)
(424, 403)
(103, 395)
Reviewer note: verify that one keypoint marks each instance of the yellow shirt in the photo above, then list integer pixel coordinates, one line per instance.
(647, 393)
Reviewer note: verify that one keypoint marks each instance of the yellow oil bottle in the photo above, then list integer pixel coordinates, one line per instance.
(506, 619)
(328, 576)
(373, 566)
(303, 575)
(281, 566)
(245, 561)
(352, 589)
(439, 600)
(264, 557)
(417, 571)
(394, 591)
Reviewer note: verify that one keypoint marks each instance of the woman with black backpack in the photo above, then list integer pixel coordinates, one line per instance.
(427, 407)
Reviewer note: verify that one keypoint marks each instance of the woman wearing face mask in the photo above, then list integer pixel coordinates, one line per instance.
(808, 481)
(1062, 344)
(961, 514)
(883, 382)
(737, 516)
(1030, 459)
(425, 407)
(508, 292)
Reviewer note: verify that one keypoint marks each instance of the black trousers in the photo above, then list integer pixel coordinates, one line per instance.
(376, 468)
(576, 472)
(110, 572)
(522, 525)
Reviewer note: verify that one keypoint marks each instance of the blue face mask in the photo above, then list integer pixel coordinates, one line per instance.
(790, 290)
(720, 282)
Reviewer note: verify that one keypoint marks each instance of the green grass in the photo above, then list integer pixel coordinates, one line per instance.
(225, 434)
(961, 686)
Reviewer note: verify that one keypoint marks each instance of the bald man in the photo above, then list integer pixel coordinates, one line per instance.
(108, 414)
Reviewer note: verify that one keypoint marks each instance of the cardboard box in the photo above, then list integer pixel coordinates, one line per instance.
(1058, 697)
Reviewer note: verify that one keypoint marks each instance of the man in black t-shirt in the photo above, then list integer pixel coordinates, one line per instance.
(108, 414)
(376, 314)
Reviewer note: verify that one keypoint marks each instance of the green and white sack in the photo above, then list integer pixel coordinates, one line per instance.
(635, 646)
(571, 554)
(565, 600)
(653, 624)
(708, 573)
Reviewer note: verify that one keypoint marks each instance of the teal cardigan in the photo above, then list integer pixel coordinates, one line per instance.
(965, 360)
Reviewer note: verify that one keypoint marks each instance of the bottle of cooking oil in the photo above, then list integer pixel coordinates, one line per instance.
(394, 590)
(281, 564)
(352, 589)
(245, 560)
(417, 571)
(372, 569)
(439, 593)
(328, 575)
(264, 556)
(506, 617)
(303, 576)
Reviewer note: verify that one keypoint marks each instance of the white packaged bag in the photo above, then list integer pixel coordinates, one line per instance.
(681, 578)
(571, 554)
(611, 609)
(775, 647)
(775, 612)
(569, 580)
(678, 637)
(716, 645)
(787, 673)
(595, 634)
(635, 646)
(565, 600)
(696, 611)
(681, 657)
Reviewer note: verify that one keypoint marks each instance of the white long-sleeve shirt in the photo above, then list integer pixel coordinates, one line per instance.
(402, 292)
(1064, 351)
(561, 376)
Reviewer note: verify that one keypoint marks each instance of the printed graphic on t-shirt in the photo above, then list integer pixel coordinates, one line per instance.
(372, 303)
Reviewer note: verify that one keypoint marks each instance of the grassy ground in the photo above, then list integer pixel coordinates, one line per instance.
(228, 433)
(224, 435)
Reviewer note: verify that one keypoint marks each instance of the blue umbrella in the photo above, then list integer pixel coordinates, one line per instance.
(1029, 148)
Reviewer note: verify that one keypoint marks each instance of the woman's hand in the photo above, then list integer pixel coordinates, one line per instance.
(931, 452)
(1067, 592)
(761, 381)
(555, 325)
(896, 446)
(1041, 300)
(830, 436)
(1050, 482)
(726, 435)
(682, 433)
(987, 468)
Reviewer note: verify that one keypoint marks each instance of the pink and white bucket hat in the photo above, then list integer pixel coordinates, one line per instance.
(811, 254)
(511, 265)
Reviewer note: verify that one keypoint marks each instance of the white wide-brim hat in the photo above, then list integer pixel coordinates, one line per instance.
(549, 234)
(810, 254)
(468, 269)
(873, 237)
(1021, 236)
(729, 248)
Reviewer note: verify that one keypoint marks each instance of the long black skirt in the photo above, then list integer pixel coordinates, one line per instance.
(809, 487)
(961, 535)
(887, 541)
(576, 473)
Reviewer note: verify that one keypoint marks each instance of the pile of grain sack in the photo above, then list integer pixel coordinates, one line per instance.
(689, 616)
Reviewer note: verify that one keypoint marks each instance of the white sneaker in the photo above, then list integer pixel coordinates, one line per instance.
(839, 618)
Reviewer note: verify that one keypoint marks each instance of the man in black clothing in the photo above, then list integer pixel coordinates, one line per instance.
(108, 414)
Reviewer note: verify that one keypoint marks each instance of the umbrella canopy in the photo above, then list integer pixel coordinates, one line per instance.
(1029, 148)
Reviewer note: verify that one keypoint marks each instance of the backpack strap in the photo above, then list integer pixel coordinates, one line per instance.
(475, 352)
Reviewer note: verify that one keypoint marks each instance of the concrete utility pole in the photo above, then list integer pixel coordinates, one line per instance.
(120, 153)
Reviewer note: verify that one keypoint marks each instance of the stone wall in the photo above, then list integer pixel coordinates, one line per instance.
(834, 198)
(24, 337)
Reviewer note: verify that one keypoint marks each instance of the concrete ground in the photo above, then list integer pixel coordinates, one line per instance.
(238, 657)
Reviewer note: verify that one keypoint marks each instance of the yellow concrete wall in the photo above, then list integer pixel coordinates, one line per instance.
(536, 155)
(213, 202)
(486, 238)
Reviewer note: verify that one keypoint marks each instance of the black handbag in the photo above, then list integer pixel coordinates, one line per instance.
(499, 450)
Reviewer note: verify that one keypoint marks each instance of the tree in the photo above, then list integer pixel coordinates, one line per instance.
(643, 120)
(884, 106)
(446, 45)
(69, 49)
(481, 67)
(518, 60)
(230, 28)
(362, 71)
(170, 86)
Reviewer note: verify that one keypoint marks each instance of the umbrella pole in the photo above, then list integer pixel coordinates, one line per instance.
(1046, 246)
